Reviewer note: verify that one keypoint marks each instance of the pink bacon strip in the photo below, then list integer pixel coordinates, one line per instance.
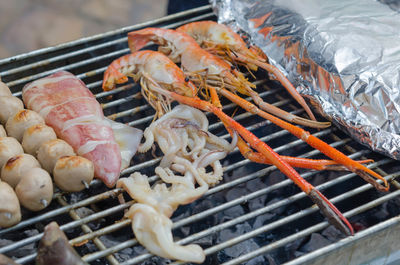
(69, 107)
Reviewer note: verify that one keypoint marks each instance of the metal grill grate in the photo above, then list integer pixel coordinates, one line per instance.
(93, 219)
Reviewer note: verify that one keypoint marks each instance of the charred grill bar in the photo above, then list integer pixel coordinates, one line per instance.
(255, 214)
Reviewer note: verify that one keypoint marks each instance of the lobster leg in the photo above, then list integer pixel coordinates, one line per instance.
(275, 110)
(353, 166)
(314, 164)
(282, 79)
(327, 208)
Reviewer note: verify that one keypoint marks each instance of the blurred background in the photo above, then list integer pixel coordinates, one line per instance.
(27, 25)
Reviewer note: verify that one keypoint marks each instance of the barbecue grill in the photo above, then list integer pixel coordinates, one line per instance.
(255, 215)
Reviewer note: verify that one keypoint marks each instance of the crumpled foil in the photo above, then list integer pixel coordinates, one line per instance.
(344, 55)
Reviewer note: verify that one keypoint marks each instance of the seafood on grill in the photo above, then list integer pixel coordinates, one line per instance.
(22, 120)
(54, 248)
(9, 147)
(35, 189)
(51, 151)
(10, 211)
(188, 150)
(194, 59)
(2, 131)
(160, 91)
(35, 136)
(72, 173)
(9, 105)
(16, 167)
(68, 106)
(222, 41)
(208, 71)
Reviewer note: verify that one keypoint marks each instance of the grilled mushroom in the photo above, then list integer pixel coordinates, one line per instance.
(54, 248)
(9, 147)
(10, 211)
(51, 151)
(73, 173)
(4, 90)
(35, 189)
(9, 105)
(16, 167)
(35, 136)
(22, 120)
(2, 131)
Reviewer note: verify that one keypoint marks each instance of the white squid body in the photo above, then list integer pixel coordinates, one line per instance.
(188, 149)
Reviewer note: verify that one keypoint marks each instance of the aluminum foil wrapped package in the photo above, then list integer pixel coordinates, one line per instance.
(344, 55)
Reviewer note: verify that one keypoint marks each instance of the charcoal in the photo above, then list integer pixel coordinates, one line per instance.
(156, 261)
(207, 222)
(270, 260)
(274, 177)
(31, 232)
(278, 211)
(298, 254)
(233, 212)
(316, 241)
(262, 219)
(185, 230)
(84, 212)
(255, 185)
(238, 173)
(236, 192)
(291, 249)
(76, 197)
(206, 241)
(332, 234)
(257, 203)
(241, 248)
(379, 214)
(259, 260)
(108, 241)
(20, 251)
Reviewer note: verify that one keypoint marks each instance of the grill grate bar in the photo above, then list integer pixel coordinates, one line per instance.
(113, 192)
(72, 224)
(319, 226)
(246, 216)
(105, 47)
(59, 211)
(214, 210)
(86, 229)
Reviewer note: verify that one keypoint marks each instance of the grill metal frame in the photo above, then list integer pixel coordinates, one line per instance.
(100, 49)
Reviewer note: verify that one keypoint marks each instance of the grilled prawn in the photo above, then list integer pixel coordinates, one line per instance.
(220, 40)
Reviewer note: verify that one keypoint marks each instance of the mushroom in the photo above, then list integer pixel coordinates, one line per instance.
(22, 120)
(51, 151)
(9, 147)
(16, 167)
(54, 248)
(73, 173)
(35, 189)
(4, 90)
(2, 131)
(35, 136)
(9, 105)
(10, 211)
